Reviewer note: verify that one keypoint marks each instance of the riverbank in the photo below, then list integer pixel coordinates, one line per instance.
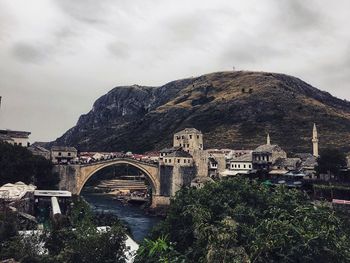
(137, 220)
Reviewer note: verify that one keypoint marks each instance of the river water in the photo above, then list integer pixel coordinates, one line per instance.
(134, 216)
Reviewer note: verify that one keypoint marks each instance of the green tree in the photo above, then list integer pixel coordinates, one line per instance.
(19, 164)
(158, 251)
(237, 220)
(331, 161)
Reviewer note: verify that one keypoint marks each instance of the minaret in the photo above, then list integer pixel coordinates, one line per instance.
(315, 141)
(268, 140)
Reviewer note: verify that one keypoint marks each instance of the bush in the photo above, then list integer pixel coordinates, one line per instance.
(236, 220)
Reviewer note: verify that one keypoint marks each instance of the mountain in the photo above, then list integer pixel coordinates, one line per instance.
(233, 109)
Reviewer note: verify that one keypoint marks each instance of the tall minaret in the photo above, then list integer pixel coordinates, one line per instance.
(315, 141)
(268, 140)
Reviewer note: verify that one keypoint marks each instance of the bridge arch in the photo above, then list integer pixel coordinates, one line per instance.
(151, 172)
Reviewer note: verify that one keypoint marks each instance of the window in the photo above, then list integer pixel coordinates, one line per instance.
(169, 160)
(197, 136)
(189, 160)
(201, 146)
(20, 144)
(239, 166)
(28, 144)
(190, 136)
(184, 160)
(182, 137)
(250, 166)
(243, 166)
(59, 154)
(188, 145)
(178, 160)
(165, 160)
(69, 154)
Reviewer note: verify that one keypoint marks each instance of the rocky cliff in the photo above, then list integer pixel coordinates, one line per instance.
(232, 109)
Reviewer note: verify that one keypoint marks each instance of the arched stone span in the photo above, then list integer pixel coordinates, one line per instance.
(88, 170)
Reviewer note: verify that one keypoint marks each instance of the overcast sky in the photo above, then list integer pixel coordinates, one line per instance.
(58, 56)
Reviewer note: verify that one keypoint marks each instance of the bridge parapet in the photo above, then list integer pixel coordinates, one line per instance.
(116, 159)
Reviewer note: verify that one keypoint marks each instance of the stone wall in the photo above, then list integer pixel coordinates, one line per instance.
(68, 175)
(166, 180)
(200, 158)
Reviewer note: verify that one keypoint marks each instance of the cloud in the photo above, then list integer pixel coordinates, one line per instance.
(119, 49)
(83, 48)
(30, 53)
(299, 14)
(87, 11)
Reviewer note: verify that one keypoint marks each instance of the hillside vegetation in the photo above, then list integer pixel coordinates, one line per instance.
(232, 109)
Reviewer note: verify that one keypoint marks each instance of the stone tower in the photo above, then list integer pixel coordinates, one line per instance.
(315, 141)
(268, 140)
(190, 139)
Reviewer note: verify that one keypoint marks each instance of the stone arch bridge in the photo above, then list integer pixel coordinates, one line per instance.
(74, 177)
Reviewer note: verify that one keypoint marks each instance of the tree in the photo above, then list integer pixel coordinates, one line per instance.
(237, 220)
(158, 251)
(19, 164)
(330, 162)
(80, 242)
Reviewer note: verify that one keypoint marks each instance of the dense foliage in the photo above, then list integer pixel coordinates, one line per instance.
(19, 164)
(331, 161)
(236, 220)
(77, 240)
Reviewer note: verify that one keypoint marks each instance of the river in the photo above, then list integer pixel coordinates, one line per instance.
(134, 216)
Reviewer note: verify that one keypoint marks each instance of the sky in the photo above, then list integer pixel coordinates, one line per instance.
(58, 56)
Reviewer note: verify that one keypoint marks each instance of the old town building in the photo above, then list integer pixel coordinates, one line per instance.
(20, 138)
(63, 154)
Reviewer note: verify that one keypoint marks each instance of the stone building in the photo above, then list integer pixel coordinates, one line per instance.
(20, 138)
(217, 161)
(178, 157)
(266, 155)
(285, 165)
(40, 151)
(164, 152)
(190, 139)
(63, 154)
(242, 164)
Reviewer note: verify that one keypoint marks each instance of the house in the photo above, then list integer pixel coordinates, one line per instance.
(40, 151)
(212, 167)
(217, 160)
(20, 138)
(63, 154)
(242, 164)
(190, 139)
(166, 151)
(308, 163)
(18, 195)
(266, 155)
(284, 165)
(177, 158)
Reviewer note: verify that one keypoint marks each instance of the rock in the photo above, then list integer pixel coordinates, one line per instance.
(232, 109)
